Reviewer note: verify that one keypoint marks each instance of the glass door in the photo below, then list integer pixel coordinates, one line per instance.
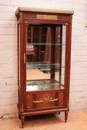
(45, 56)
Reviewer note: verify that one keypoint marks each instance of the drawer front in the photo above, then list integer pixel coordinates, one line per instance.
(44, 100)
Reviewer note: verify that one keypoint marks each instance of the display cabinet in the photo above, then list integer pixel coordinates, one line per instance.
(44, 49)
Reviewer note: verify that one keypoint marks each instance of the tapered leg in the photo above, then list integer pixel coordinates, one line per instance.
(66, 116)
(22, 121)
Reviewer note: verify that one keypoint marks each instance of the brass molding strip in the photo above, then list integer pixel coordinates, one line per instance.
(45, 99)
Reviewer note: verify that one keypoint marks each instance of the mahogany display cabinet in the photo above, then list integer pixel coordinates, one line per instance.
(44, 49)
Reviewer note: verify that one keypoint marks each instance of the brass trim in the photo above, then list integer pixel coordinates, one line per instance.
(20, 16)
(24, 58)
(45, 99)
(50, 17)
(21, 107)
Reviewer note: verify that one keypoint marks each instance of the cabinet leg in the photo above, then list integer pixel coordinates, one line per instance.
(22, 121)
(58, 113)
(19, 115)
(66, 116)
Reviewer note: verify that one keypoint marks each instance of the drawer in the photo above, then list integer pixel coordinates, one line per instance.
(44, 100)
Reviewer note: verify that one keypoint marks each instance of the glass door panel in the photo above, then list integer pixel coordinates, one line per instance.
(45, 57)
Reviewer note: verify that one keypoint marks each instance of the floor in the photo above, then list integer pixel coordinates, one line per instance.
(76, 121)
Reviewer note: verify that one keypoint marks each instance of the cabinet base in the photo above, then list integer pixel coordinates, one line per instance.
(22, 115)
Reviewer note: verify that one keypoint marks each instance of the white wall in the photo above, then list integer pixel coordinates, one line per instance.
(8, 52)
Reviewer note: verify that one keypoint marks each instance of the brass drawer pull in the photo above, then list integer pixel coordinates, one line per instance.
(45, 99)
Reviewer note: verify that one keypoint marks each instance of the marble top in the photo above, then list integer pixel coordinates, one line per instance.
(43, 10)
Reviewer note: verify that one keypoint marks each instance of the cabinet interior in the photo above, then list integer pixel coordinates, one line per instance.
(45, 56)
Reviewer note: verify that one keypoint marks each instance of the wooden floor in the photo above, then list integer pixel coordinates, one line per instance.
(76, 121)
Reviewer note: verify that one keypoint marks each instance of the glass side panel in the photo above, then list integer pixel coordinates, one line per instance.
(63, 54)
(45, 57)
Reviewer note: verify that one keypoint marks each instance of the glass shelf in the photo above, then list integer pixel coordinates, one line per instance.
(42, 85)
(43, 65)
(47, 44)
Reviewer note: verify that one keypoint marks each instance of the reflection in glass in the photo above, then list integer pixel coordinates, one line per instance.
(45, 57)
